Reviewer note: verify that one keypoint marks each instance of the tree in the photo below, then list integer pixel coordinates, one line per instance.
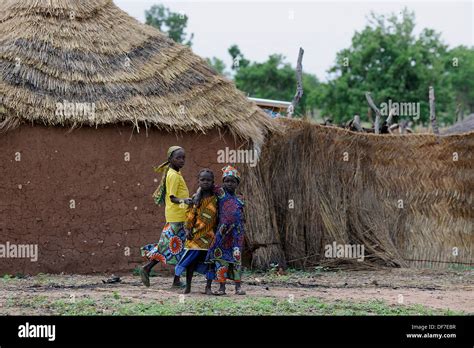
(276, 79)
(217, 64)
(172, 23)
(238, 59)
(460, 66)
(388, 60)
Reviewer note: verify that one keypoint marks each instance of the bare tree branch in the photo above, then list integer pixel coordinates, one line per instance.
(299, 85)
(390, 117)
(356, 123)
(434, 124)
(377, 112)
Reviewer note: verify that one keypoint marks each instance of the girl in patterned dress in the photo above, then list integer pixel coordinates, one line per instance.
(174, 193)
(199, 226)
(225, 253)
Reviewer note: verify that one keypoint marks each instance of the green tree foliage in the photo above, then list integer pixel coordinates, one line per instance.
(460, 67)
(217, 64)
(172, 23)
(238, 59)
(389, 61)
(276, 79)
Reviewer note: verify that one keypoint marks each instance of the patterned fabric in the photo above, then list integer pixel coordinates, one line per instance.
(190, 257)
(226, 249)
(170, 248)
(230, 171)
(201, 222)
(222, 271)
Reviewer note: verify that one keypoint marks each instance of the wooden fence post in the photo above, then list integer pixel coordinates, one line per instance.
(299, 85)
(434, 124)
(377, 112)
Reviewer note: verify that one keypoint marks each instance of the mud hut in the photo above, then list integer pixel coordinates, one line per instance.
(90, 100)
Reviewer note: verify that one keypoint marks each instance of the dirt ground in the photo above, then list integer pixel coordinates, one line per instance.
(431, 288)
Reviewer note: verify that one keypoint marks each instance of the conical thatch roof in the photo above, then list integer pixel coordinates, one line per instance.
(92, 53)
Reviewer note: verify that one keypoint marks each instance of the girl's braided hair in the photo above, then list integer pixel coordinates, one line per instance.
(206, 170)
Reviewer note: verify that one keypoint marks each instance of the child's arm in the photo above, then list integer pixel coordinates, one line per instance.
(176, 200)
(197, 196)
(189, 223)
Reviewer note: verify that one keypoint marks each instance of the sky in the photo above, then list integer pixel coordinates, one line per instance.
(322, 28)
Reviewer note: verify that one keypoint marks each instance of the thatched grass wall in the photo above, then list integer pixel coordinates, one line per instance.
(404, 197)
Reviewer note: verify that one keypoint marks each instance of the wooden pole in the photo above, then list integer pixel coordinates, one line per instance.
(377, 112)
(356, 123)
(390, 117)
(403, 126)
(434, 124)
(299, 85)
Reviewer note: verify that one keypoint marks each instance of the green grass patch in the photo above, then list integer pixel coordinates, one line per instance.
(116, 305)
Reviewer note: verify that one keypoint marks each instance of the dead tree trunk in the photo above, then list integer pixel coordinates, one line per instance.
(434, 124)
(377, 112)
(390, 117)
(299, 85)
(356, 123)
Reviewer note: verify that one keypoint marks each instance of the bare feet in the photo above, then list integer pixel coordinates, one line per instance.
(238, 289)
(145, 276)
(178, 285)
(219, 293)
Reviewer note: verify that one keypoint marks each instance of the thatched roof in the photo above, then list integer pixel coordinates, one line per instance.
(464, 126)
(92, 52)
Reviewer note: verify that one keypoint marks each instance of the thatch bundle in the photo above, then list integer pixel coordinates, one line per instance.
(404, 197)
(89, 52)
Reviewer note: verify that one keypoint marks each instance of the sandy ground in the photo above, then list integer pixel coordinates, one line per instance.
(432, 288)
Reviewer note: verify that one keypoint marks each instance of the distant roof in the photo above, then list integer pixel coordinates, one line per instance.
(463, 126)
(271, 103)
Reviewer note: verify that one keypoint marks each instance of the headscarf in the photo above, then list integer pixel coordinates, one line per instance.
(160, 193)
(230, 171)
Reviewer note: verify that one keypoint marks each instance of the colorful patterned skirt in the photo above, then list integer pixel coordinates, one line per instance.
(221, 270)
(170, 248)
(225, 254)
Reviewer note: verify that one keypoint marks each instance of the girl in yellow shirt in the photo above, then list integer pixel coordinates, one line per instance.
(174, 193)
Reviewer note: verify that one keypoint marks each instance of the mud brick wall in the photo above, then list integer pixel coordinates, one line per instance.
(113, 210)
